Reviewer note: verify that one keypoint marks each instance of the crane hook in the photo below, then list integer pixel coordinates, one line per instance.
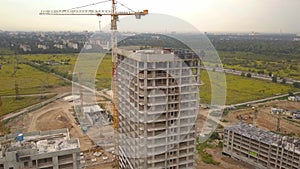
(99, 17)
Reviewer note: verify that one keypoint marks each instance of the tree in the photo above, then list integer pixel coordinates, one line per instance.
(243, 74)
(249, 75)
(274, 79)
(283, 81)
(261, 72)
(291, 94)
(270, 74)
(214, 136)
(296, 84)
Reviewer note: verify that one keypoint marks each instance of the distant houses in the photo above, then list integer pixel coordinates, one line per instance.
(72, 45)
(25, 48)
(41, 46)
(58, 46)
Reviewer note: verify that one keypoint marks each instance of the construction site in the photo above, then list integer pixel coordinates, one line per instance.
(151, 118)
(158, 102)
(261, 115)
(154, 85)
(40, 149)
(261, 148)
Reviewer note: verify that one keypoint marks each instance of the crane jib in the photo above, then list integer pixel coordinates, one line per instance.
(89, 12)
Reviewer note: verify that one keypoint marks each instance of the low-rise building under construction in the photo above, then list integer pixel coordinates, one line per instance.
(41, 149)
(263, 149)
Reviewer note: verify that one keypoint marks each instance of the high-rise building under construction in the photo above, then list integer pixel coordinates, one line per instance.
(158, 101)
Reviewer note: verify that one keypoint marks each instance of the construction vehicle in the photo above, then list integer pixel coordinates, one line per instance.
(114, 18)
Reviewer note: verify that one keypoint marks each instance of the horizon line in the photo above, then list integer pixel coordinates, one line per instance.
(208, 32)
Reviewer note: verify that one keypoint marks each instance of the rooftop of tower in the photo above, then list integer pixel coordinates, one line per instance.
(158, 55)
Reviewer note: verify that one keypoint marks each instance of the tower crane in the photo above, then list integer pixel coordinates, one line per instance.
(114, 18)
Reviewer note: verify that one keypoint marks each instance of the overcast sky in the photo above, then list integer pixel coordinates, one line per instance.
(206, 15)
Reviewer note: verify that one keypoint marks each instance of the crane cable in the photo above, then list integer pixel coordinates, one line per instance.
(100, 3)
(90, 4)
(100, 23)
(125, 6)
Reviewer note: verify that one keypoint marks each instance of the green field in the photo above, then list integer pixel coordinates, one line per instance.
(11, 104)
(239, 89)
(247, 61)
(104, 73)
(68, 60)
(28, 79)
(103, 76)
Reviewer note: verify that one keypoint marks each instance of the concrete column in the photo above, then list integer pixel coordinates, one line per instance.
(281, 156)
(269, 155)
(75, 160)
(299, 163)
(55, 162)
(232, 140)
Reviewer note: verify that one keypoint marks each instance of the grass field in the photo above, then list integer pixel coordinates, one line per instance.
(104, 73)
(11, 104)
(251, 62)
(103, 76)
(28, 79)
(239, 89)
(67, 60)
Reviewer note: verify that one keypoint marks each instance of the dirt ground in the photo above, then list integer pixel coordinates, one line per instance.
(53, 116)
(265, 119)
(225, 162)
(57, 115)
(102, 166)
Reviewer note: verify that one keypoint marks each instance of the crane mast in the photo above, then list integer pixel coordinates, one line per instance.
(114, 18)
(114, 28)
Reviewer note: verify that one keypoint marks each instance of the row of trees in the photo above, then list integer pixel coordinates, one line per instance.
(48, 69)
(296, 84)
(274, 78)
(281, 47)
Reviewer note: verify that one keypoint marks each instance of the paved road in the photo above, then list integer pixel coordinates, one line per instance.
(29, 95)
(264, 100)
(257, 76)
